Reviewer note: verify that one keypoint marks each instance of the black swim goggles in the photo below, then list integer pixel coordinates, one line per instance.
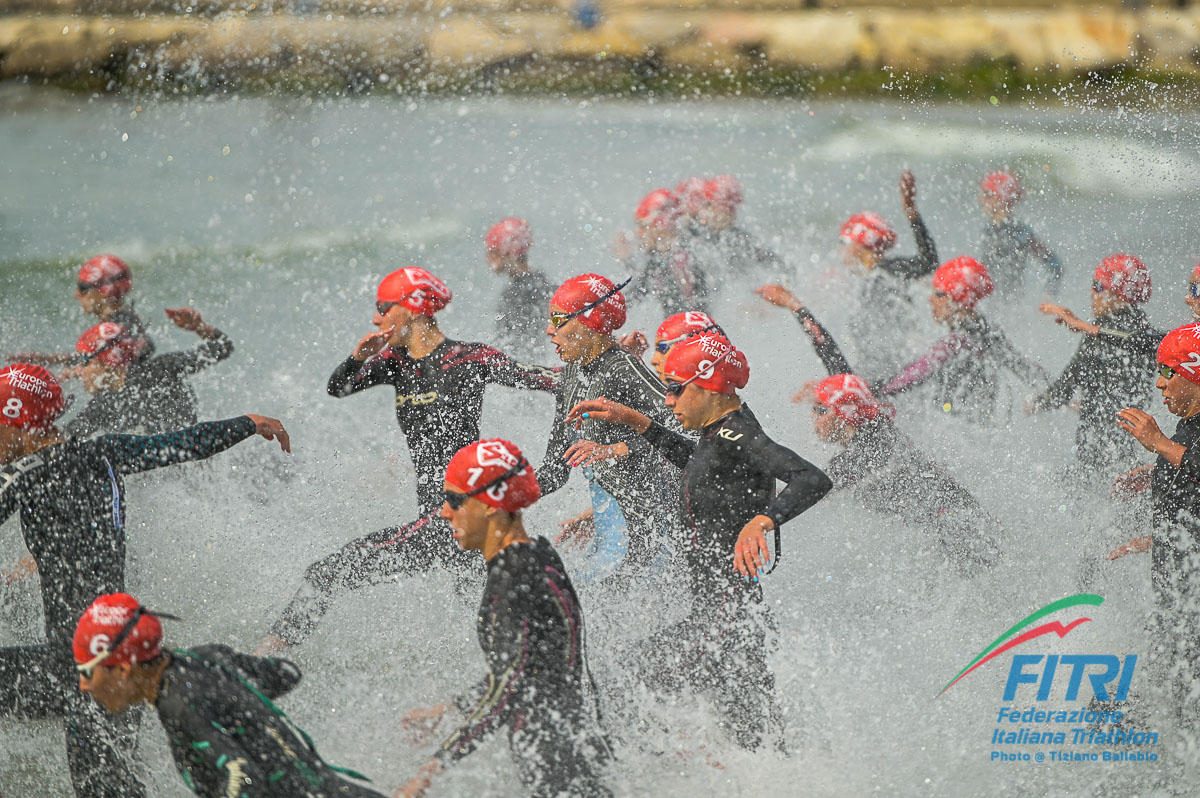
(85, 287)
(1194, 290)
(88, 667)
(456, 500)
(559, 319)
(1099, 287)
(662, 347)
(675, 389)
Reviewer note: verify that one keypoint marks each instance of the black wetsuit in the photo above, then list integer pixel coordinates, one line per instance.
(642, 483)
(228, 739)
(729, 477)
(1139, 339)
(671, 279)
(155, 397)
(531, 631)
(439, 400)
(522, 312)
(886, 310)
(964, 369)
(1175, 493)
(1006, 249)
(1109, 377)
(135, 328)
(732, 252)
(71, 501)
(887, 473)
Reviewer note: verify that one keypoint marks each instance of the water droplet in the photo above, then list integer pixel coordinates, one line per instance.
(224, 151)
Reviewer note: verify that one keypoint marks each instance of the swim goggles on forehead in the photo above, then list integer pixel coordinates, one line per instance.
(662, 347)
(126, 630)
(675, 389)
(456, 500)
(559, 319)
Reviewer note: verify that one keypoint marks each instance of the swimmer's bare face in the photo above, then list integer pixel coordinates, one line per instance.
(944, 309)
(1180, 395)
(829, 427)
(571, 340)
(112, 687)
(395, 323)
(658, 360)
(995, 207)
(1193, 302)
(1105, 302)
(97, 376)
(469, 521)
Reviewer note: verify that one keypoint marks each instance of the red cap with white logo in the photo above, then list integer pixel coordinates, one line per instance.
(495, 472)
(30, 397)
(1180, 351)
(416, 289)
(710, 361)
(102, 624)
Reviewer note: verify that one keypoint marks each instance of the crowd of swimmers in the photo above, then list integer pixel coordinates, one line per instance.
(684, 484)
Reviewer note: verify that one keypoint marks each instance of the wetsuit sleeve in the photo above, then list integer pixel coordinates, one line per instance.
(1016, 361)
(805, 484)
(670, 444)
(352, 376)
(1143, 341)
(1060, 391)
(508, 661)
(924, 367)
(826, 348)
(554, 472)
(926, 261)
(503, 370)
(130, 454)
(1189, 466)
(12, 477)
(273, 677)
(207, 352)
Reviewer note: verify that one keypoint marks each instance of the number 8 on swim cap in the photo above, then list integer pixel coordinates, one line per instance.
(30, 397)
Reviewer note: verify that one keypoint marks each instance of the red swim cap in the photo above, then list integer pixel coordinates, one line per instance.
(1126, 276)
(851, 399)
(479, 463)
(509, 238)
(705, 355)
(108, 273)
(579, 292)
(103, 621)
(964, 279)
(30, 397)
(870, 230)
(109, 344)
(1004, 186)
(682, 325)
(416, 289)
(1180, 349)
(658, 203)
(726, 191)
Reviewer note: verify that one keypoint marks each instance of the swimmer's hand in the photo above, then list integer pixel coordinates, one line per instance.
(1131, 483)
(607, 410)
(585, 453)
(189, 319)
(271, 646)
(25, 568)
(750, 553)
(908, 194)
(779, 296)
(1068, 319)
(271, 429)
(1135, 546)
(418, 784)
(577, 532)
(370, 344)
(1142, 426)
(420, 725)
(635, 343)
